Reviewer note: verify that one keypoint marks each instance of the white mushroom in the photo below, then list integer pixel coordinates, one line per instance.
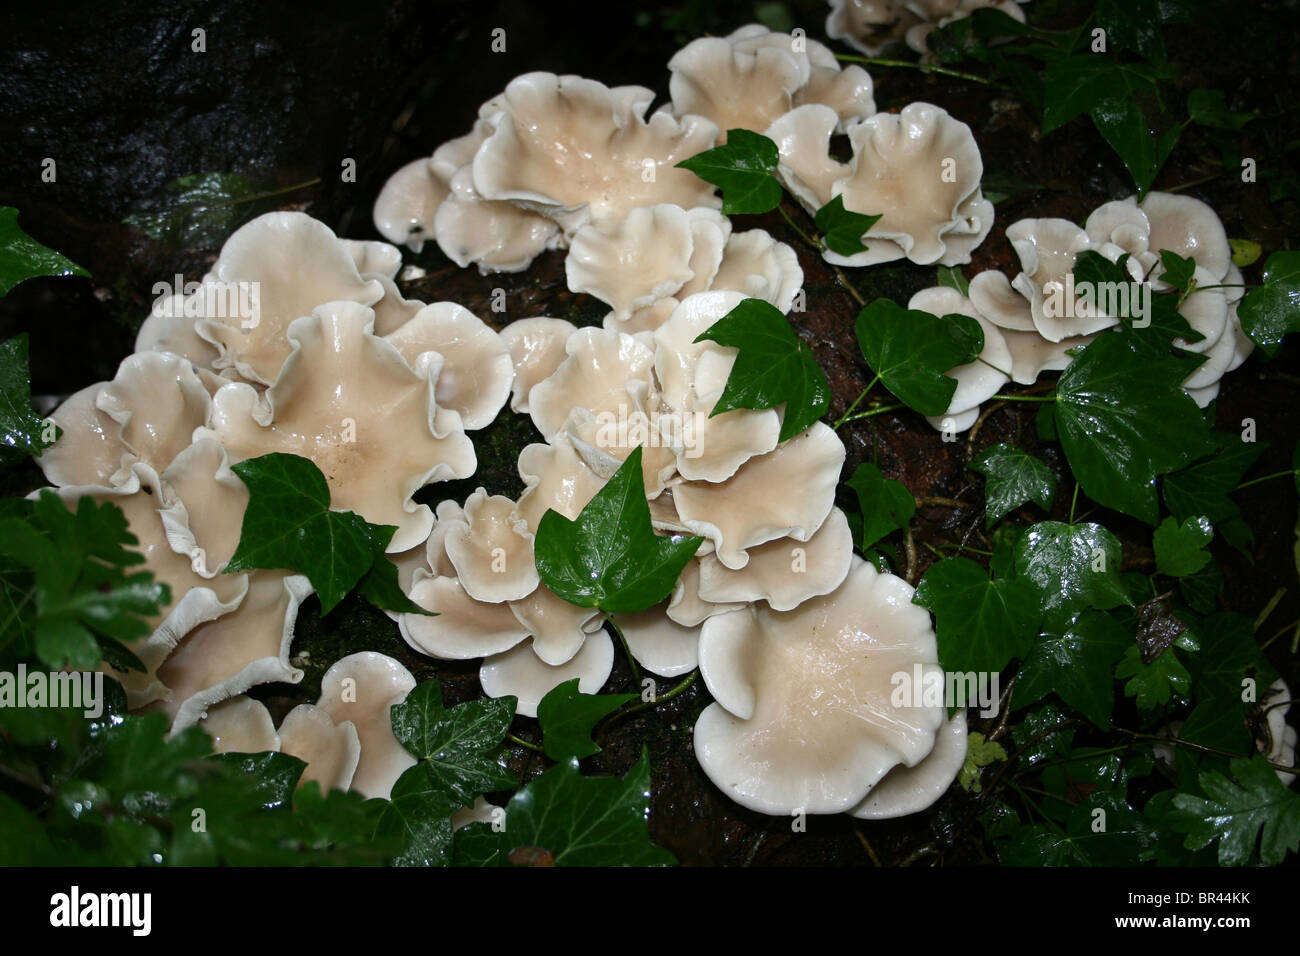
(577, 151)
(805, 719)
(658, 643)
(406, 205)
(331, 751)
(521, 673)
(241, 725)
(536, 349)
(492, 550)
(907, 790)
(594, 375)
(362, 689)
(633, 261)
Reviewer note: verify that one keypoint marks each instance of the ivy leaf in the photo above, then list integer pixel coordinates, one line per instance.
(1178, 269)
(456, 746)
(1153, 684)
(381, 586)
(1271, 310)
(568, 716)
(1219, 723)
(911, 350)
(887, 506)
(1035, 738)
(417, 817)
(979, 753)
(570, 820)
(22, 432)
(1078, 663)
(1123, 418)
(1229, 652)
(774, 367)
(610, 557)
(842, 228)
(1210, 108)
(1124, 125)
(1180, 548)
(953, 278)
(743, 169)
(289, 525)
(1078, 84)
(981, 624)
(1070, 567)
(1254, 814)
(1119, 836)
(1245, 252)
(1163, 323)
(22, 257)
(1203, 487)
(199, 210)
(1014, 477)
(76, 589)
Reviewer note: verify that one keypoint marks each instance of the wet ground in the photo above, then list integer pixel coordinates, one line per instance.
(124, 105)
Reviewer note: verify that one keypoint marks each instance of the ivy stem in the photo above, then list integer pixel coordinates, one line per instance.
(941, 503)
(676, 689)
(1180, 742)
(793, 225)
(857, 401)
(524, 743)
(862, 838)
(1255, 481)
(631, 661)
(908, 64)
(869, 414)
(1269, 608)
(1266, 643)
(1025, 398)
(909, 546)
(852, 289)
(1073, 501)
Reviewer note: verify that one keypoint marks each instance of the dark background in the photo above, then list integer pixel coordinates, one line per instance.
(284, 93)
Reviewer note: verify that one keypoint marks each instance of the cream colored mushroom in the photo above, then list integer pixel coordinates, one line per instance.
(147, 413)
(658, 643)
(293, 263)
(784, 573)
(477, 371)
(349, 401)
(241, 725)
(168, 329)
(495, 236)
(362, 689)
(536, 349)
(406, 205)
(805, 718)
(521, 673)
(594, 375)
(748, 509)
(685, 606)
(577, 151)
(632, 262)
(556, 479)
(907, 790)
(201, 504)
(869, 25)
(463, 628)
(492, 550)
(331, 751)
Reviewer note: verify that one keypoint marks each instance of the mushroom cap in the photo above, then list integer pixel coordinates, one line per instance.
(804, 718)
(631, 262)
(1189, 227)
(870, 26)
(1048, 249)
(463, 628)
(476, 371)
(750, 508)
(558, 628)
(521, 673)
(761, 267)
(536, 349)
(406, 205)
(556, 479)
(658, 643)
(240, 725)
(907, 790)
(374, 259)
(595, 375)
(331, 751)
(147, 413)
(576, 150)
(202, 506)
(784, 573)
(496, 236)
(361, 689)
(168, 329)
(349, 401)
(295, 263)
(492, 550)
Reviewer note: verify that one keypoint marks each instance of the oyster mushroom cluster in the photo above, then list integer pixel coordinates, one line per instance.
(1032, 321)
(872, 26)
(296, 341)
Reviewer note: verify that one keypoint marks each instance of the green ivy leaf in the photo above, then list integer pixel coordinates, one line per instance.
(1271, 310)
(1014, 477)
(1229, 652)
(1155, 683)
(981, 624)
(1035, 738)
(1178, 270)
(1070, 567)
(23, 433)
(610, 557)
(1078, 663)
(1255, 816)
(1210, 108)
(887, 506)
(773, 368)
(953, 278)
(1122, 837)
(1123, 418)
(979, 753)
(1219, 723)
(743, 169)
(1180, 548)
(288, 525)
(911, 350)
(381, 586)
(200, 210)
(22, 257)
(842, 228)
(1202, 488)
(456, 746)
(1124, 125)
(570, 820)
(1245, 252)
(568, 716)
(417, 817)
